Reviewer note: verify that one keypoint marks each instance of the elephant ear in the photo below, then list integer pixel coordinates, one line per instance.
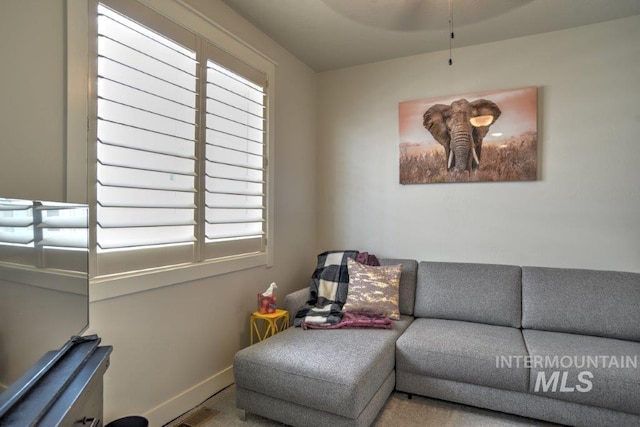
(484, 107)
(435, 121)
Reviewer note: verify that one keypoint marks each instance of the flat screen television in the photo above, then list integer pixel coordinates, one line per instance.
(43, 281)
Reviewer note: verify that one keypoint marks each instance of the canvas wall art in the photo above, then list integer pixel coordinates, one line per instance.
(488, 136)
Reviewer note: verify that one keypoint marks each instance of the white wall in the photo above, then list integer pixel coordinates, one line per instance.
(173, 346)
(582, 212)
(31, 99)
(35, 320)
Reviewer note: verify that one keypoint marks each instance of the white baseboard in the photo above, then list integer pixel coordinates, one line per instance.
(189, 398)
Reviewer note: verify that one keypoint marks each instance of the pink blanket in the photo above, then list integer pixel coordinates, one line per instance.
(355, 320)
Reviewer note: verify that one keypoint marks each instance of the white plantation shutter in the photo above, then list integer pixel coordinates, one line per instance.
(16, 222)
(146, 139)
(180, 152)
(44, 234)
(235, 167)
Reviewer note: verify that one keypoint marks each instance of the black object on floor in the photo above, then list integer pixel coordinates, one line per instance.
(132, 421)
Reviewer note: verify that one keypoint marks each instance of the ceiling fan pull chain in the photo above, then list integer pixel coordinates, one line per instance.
(451, 30)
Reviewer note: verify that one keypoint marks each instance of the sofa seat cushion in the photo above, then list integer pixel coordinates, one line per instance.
(462, 351)
(611, 379)
(337, 370)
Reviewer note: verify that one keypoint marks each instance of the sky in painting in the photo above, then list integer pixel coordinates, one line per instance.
(518, 106)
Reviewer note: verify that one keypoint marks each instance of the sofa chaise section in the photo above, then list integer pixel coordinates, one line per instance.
(336, 371)
(316, 377)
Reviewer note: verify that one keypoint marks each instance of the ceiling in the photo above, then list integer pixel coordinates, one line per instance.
(330, 34)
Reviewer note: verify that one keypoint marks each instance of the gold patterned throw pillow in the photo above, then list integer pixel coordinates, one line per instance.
(373, 289)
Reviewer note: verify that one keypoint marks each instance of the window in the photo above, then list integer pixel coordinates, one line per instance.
(47, 235)
(180, 146)
(234, 158)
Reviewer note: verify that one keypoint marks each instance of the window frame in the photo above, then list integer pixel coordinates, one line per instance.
(80, 61)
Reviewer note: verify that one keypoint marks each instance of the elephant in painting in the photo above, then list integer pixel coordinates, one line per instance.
(460, 129)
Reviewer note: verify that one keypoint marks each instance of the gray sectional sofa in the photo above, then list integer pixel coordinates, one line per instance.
(559, 345)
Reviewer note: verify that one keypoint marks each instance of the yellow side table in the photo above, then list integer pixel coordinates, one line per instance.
(265, 325)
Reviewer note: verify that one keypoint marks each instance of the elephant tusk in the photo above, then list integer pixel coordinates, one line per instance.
(450, 159)
(475, 156)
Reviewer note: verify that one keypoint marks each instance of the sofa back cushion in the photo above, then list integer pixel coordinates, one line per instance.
(407, 283)
(483, 293)
(588, 302)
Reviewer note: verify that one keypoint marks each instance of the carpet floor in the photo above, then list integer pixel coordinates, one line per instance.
(399, 411)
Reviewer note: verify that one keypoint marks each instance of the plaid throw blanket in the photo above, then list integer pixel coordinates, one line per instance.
(328, 289)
